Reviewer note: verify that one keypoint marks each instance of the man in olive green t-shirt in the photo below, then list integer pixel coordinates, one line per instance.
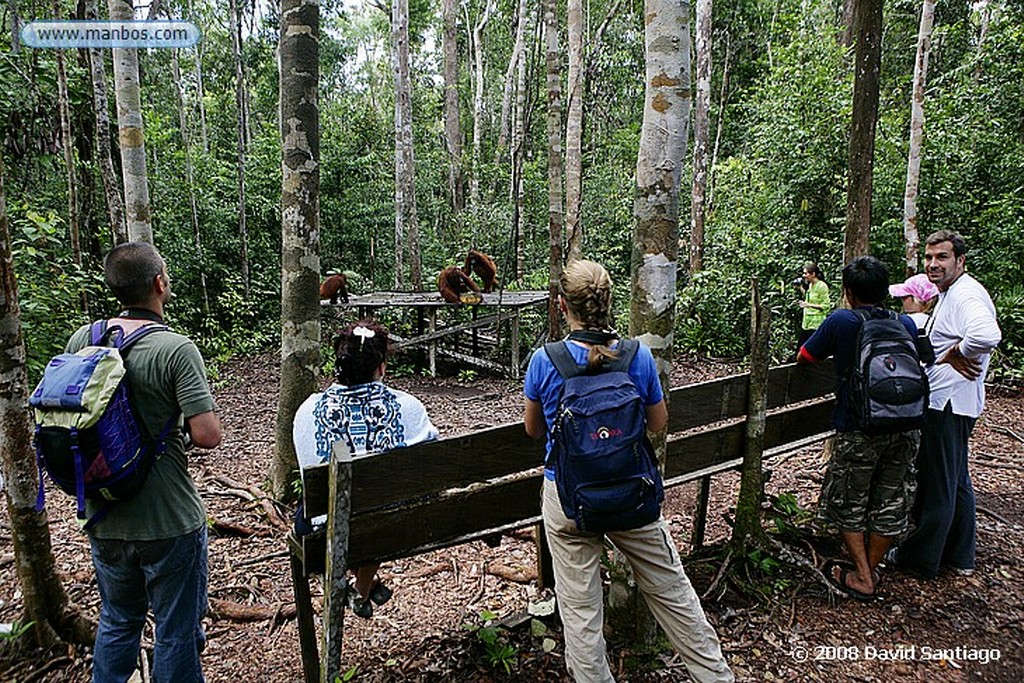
(150, 551)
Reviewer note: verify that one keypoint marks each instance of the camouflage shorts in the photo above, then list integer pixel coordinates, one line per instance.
(870, 482)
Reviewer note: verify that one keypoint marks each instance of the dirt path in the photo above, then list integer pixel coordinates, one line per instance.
(429, 630)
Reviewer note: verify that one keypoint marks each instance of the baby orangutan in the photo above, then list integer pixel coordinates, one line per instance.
(483, 265)
(452, 282)
(335, 287)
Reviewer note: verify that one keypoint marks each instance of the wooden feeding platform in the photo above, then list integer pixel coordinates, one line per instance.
(435, 323)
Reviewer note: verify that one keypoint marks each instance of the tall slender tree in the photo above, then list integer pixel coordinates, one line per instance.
(132, 142)
(452, 124)
(186, 144)
(910, 234)
(554, 128)
(479, 110)
(242, 124)
(299, 51)
(701, 135)
(867, 24)
(574, 132)
(67, 143)
(100, 104)
(406, 221)
(46, 605)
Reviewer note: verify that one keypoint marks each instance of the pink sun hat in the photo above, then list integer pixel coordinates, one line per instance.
(918, 286)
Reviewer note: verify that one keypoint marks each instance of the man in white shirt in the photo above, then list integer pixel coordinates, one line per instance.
(963, 332)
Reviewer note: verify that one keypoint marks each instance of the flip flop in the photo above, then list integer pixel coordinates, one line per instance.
(845, 569)
(876, 576)
(380, 593)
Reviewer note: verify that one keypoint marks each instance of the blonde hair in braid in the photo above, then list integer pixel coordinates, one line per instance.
(586, 289)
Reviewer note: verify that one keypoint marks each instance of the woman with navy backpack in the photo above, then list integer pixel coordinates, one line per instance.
(585, 301)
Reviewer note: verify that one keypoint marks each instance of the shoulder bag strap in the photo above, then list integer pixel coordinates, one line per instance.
(562, 359)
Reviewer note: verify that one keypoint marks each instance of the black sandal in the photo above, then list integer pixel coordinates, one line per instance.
(360, 606)
(380, 593)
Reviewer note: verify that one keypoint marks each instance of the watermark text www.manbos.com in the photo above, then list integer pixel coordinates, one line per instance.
(109, 34)
(907, 653)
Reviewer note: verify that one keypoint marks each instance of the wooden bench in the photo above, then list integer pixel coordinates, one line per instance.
(439, 494)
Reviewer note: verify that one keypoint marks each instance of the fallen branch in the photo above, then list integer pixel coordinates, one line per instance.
(269, 509)
(1008, 432)
(262, 558)
(718, 577)
(225, 528)
(426, 571)
(511, 573)
(40, 673)
(232, 611)
(999, 466)
(993, 515)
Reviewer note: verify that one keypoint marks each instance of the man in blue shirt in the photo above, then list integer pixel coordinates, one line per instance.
(869, 484)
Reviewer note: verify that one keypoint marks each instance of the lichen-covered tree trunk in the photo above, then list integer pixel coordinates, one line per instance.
(518, 157)
(701, 135)
(452, 125)
(242, 123)
(130, 135)
(45, 603)
(867, 24)
(574, 132)
(115, 205)
(910, 235)
(663, 140)
(300, 225)
(554, 129)
(406, 222)
(64, 108)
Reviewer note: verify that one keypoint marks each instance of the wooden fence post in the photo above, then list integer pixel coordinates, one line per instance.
(335, 581)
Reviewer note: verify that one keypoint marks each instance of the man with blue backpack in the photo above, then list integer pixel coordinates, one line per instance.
(150, 549)
(595, 397)
(881, 396)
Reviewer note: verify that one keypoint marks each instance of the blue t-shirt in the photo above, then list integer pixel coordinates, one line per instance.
(543, 383)
(837, 337)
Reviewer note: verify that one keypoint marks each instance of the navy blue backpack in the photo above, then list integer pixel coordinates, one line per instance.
(605, 467)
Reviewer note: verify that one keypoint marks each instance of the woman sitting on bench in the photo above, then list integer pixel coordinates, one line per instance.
(369, 417)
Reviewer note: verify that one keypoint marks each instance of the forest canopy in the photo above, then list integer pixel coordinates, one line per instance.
(781, 85)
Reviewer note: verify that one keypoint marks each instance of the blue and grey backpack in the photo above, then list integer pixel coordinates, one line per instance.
(87, 436)
(605, 467)
(888, 386)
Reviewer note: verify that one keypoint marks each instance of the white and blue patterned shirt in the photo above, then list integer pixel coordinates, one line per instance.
(370, 418)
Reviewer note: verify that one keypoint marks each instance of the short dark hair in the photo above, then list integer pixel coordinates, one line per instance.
(940, 236)
(359, 349)
(130, 269)
(867, 279)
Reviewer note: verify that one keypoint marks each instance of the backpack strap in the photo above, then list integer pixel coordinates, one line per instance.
(567, 367)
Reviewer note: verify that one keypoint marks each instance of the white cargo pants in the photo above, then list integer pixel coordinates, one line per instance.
(659, 575)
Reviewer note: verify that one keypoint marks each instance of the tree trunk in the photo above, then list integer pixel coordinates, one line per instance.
(518, 54)
(867, 21)
(984, 9)
(242, 121)
(910, 234)
(701, 135)
(663, 139)
(846, 23)
(574, 132)
(186, 144)
(115, 205)
(300, 225)
(518, 156)
(478, 103)
(452, 125)
(45, 603)
(554, 127)
(197, 57)
(132, 143)
(748, 505)
(719, 124)
(69, 155)
(406, 222)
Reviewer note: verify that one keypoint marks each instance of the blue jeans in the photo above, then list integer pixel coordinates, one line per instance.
(168, 575)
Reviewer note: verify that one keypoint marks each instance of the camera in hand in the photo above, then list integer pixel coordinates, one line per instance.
(799, 282)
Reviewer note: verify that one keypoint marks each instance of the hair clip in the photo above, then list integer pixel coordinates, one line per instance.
(363, 333)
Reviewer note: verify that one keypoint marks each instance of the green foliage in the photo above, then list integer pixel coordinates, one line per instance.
(14, 630)
(787, 516)
(491, 635)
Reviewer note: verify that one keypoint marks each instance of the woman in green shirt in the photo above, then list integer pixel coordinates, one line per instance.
(816, 304)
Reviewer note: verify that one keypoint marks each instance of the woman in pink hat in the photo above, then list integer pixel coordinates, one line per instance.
(918, 295)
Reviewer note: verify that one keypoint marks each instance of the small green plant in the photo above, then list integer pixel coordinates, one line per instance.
(348, 675)
(787, 516)
(14, 630)
(497, 649)
(468, 376)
